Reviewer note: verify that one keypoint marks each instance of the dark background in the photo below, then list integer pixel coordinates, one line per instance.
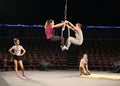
(88, 12)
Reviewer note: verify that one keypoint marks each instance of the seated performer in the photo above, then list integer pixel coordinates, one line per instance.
(78, 40)
(83, 66)
(49, 27)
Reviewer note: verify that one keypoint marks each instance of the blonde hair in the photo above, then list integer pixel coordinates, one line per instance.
(80, 25)
(48, 22)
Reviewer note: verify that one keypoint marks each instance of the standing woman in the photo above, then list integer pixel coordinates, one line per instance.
(49, 27)
(18, 51)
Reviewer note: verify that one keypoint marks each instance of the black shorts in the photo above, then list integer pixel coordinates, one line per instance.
(18, 58)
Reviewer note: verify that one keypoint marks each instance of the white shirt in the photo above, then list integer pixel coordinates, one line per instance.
(17, 50)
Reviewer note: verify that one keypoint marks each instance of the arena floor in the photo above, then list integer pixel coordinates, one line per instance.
(55, 78)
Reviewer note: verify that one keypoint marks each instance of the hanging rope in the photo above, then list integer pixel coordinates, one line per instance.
(65, 17)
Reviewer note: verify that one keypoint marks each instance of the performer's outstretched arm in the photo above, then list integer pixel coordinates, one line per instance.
(59, 24)
(71, 25)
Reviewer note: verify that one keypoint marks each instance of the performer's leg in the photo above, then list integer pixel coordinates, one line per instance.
(81, 71)
(72, 40)
(58, 38)
(69, 42)
(22, 67)
(16, 67)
